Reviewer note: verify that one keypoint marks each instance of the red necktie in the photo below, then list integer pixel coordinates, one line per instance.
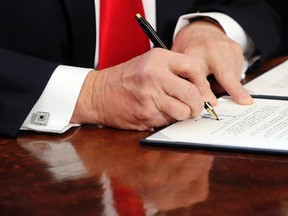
(121, 38)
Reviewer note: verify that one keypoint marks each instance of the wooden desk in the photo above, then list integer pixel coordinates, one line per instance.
(101, 171)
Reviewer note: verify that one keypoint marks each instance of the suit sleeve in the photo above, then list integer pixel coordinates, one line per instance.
(35, 38)
(20, 90)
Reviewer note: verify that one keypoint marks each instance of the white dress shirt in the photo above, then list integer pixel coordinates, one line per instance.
(60, 95)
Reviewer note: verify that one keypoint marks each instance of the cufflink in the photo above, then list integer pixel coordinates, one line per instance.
(41, 118)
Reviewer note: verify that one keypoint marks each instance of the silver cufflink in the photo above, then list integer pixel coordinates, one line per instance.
(41, 118)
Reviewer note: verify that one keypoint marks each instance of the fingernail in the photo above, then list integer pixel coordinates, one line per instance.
(246, 99)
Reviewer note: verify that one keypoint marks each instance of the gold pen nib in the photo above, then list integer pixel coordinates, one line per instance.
(211, 110)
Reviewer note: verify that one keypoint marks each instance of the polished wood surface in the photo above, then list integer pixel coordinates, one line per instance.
(102, 171)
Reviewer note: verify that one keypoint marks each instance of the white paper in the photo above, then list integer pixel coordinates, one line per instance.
(262, 125)
(273, 82)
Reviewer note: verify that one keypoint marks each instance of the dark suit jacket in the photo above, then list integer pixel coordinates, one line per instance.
(36, 36)
(282, 11)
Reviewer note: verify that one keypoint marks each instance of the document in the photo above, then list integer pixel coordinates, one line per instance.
(272, 84)
(260, 127)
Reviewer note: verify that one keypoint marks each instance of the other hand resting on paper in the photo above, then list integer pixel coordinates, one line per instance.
(208, 43)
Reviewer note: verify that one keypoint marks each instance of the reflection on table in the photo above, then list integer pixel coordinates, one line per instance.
(144, 185)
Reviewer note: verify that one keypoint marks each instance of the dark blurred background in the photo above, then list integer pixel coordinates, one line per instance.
(281, 8)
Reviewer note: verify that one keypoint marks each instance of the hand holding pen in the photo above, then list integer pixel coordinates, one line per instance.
(151, 33)
(144, 92)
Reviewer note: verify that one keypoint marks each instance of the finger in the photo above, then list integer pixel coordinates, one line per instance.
(227, 72)
(158, 119)
(193, 70)
(234, 88)
(162, 119)
(152, 116)
(183, 98)
(176, 108)
(163, 109)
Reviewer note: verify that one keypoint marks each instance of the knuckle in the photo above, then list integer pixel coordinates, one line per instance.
(190, 93)
(193, 68)
(145, 114)
(203, 85)
(196, 110)
(184, 113)
(155, 52)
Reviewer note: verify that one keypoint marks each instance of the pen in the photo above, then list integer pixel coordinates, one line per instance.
(151, 33)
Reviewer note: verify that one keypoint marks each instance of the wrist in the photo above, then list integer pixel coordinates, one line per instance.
(83, 108)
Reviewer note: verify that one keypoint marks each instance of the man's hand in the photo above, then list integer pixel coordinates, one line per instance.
(148, 91)
(206, 42)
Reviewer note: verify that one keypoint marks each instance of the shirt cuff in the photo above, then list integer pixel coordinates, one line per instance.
(232, 29)
(54, 109)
